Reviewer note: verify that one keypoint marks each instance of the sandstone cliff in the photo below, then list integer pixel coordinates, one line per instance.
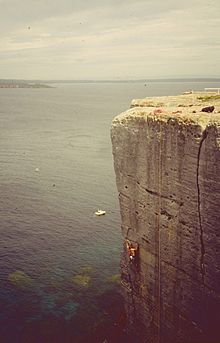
(167, 164)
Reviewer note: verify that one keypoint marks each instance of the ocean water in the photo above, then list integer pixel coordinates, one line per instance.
(59, 263)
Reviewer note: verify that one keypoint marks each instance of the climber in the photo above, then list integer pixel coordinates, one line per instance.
(131, 250)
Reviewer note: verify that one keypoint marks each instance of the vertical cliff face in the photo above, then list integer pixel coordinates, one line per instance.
(167, 165)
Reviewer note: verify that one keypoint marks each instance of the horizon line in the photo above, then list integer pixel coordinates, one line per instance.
(217, 79)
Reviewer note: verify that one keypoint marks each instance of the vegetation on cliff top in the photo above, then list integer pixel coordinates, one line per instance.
(209, 97)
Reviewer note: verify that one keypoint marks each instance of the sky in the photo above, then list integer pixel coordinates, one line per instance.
(100, 39)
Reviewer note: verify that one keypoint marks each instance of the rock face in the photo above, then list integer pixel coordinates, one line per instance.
(167, 164)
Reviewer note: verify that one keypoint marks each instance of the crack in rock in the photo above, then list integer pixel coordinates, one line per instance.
(204, 135)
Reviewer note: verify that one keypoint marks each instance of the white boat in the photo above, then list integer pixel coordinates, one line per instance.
(100, 213)
(188, 92)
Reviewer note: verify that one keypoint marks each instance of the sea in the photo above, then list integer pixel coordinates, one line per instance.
(59, 262)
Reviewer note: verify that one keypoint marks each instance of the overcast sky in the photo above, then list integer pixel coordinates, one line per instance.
(109, 39)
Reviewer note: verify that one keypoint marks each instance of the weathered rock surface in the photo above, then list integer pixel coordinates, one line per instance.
(167, 166)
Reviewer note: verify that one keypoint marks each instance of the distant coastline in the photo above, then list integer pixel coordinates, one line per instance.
(22, 84)
(138, 80)
(4, 83)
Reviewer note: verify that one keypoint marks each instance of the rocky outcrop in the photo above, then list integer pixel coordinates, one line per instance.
(167, 164)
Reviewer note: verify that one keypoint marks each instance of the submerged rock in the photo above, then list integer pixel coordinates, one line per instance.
(57, 306)
(81, 280)
(48, 304)
(87, 270)
(115, 279)
(69, 309)
(20, 279)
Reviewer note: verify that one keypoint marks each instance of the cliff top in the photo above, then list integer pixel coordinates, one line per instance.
(187, 108)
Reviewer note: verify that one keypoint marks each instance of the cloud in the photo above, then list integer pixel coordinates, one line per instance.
(106, 39)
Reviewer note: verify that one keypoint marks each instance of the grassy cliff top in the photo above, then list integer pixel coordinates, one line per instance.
(183, 109)
(201, 99)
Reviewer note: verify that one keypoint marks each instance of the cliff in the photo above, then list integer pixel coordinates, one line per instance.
(167, 164)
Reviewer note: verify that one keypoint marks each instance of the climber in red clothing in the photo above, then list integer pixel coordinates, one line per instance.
(130, 249)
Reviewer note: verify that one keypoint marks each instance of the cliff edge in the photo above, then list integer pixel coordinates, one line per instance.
(167, 164)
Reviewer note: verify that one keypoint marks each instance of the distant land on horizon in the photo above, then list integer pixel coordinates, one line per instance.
(202, 79)
(22, 84)
(19, 83)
